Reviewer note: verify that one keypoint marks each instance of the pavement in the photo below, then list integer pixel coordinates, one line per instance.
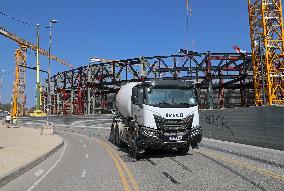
(21, 149)
(91, 162)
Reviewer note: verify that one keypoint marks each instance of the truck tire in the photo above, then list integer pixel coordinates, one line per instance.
(183, 150)
(112, 135)
(118, 141)
(134, 150)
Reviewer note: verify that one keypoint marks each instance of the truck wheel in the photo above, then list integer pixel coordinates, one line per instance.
(112, 135)
(134, 149)
(118, 141)
(183, 150)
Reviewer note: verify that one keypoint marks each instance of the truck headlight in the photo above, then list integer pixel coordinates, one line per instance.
(195, 132)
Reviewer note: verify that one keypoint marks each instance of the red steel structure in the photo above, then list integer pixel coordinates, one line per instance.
(223, 80)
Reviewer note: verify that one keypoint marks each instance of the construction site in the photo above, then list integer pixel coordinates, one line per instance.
(239, 98)
(224, 80)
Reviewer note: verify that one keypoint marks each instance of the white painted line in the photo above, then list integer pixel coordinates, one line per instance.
(96, 126)
(80, 140)
(49, 170)
(83, 174)
(80, 121)
(38, 172)
(84, 146)
(87, 156)
(100, 124)
(99, 127)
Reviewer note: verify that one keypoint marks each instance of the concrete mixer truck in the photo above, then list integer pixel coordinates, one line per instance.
(156, 114)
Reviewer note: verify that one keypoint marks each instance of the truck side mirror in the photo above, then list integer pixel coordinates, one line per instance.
(134, 95)
(137, 96)
(140, 98)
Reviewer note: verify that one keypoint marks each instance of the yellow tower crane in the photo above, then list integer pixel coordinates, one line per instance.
(19, 97)
(267, 44)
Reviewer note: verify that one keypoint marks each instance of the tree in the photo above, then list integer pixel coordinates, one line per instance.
(5, 107)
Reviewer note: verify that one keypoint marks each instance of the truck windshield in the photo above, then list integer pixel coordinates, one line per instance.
(170, 97)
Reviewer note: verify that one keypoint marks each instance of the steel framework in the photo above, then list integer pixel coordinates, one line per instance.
(223, 80)
(266, 32)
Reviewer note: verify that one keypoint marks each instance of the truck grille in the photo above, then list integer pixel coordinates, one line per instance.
(174, 125)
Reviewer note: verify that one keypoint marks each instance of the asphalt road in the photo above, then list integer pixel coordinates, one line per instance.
(94, 163)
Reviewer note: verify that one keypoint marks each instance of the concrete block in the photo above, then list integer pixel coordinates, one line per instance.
(47, 129)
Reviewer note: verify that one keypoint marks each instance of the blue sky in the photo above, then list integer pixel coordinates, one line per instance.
(119, 29)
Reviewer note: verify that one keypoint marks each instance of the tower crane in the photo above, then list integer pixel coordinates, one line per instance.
(267, 44)
(19, 97)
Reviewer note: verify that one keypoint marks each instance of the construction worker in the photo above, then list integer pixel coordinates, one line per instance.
(8, 120)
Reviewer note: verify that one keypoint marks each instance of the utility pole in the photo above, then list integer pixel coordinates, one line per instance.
(49, 72)
(1, 83)
(37, 70)
(1, 80)
(38, 112)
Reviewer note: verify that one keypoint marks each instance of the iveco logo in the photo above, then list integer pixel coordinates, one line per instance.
(174, 114)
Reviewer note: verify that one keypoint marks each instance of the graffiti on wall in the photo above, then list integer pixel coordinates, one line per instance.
(218, 122)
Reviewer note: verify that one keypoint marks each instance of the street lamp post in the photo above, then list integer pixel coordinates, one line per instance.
(1, 78)
(37, 70)
(52, 21)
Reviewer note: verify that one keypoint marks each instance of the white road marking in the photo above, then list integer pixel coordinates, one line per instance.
(87, 156)
(100, 124)
(83, 175)
(80, 140)
(38, 172)
(95, 126)
(84, 146)
(99, 127)
(80, 121)
(102, 119)
(49, 170)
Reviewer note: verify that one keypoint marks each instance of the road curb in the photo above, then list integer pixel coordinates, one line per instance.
(21, 170)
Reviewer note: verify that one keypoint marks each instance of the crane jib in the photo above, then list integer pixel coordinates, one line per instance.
(31, 46)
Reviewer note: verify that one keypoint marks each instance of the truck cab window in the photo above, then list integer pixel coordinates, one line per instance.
(171, 96)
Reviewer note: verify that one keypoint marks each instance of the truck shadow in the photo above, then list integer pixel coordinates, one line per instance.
(149, 153)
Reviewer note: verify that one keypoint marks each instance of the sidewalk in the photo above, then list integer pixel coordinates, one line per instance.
(23, 148)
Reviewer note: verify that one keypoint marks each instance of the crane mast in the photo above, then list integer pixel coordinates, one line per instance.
(266, 33)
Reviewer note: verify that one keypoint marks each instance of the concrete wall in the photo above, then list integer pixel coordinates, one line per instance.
(259, 126)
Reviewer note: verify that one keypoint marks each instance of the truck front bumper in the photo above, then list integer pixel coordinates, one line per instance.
(159, 139)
